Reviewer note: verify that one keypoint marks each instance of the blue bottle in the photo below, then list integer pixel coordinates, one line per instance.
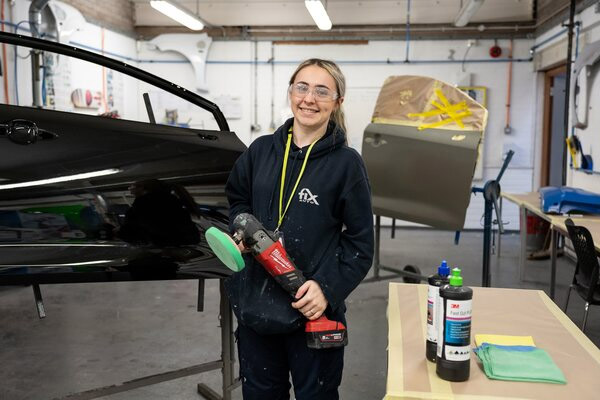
(433, 291)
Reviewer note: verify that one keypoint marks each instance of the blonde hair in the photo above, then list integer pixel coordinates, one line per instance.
(340, 85)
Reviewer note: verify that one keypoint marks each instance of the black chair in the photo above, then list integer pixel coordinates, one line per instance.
(585, 279)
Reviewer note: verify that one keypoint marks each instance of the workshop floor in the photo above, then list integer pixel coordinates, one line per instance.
(96, 335)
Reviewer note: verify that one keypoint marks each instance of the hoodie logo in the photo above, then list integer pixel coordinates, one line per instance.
(305, 196)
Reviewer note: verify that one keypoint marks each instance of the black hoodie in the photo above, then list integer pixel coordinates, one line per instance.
(327, 230)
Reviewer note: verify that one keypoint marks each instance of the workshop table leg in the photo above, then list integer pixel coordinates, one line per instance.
(523, 233)
(377, 244)
(227, 341)
(553, 246)
(499, 226)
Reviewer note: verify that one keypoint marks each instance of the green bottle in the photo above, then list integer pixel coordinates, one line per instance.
(454, 335)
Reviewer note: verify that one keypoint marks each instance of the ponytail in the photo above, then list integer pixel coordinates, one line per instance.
(338, 117)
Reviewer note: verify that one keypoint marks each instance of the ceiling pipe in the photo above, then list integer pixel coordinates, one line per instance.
(507, 127)
(5, 74)
(35, 16)
(391, 28)
(570, 27)
(35, 21)
(407, 30)
(355, 32)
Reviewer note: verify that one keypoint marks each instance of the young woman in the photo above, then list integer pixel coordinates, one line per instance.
(306, 183)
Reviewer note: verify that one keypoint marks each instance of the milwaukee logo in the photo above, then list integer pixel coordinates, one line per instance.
(281, 264)
(305, 196)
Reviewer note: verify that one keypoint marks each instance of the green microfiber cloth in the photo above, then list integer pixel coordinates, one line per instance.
(519, 363)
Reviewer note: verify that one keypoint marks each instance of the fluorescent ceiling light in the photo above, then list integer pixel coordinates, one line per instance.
(318, 14)
(178, 13)
(467, 11)
(60, 179)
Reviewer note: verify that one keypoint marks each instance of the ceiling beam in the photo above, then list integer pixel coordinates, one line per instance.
(353, 32)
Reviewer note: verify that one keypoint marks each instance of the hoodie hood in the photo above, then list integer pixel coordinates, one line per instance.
(333, 139)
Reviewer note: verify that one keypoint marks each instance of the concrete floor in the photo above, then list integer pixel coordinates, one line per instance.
(101, 334)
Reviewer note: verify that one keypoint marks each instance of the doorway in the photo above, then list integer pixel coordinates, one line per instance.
(554, 135)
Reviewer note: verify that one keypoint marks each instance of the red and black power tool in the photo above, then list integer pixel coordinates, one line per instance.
(321, 333)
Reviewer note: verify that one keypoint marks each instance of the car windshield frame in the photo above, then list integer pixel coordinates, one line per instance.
(119, 66)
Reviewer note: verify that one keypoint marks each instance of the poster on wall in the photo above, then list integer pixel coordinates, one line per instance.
(56, 83)
(477, 93)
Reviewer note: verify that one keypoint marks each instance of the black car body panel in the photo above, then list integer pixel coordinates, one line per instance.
(68, 231)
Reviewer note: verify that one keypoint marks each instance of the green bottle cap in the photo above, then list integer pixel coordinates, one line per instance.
(455, 278)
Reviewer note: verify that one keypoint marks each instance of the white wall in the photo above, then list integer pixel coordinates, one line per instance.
(589, 137)
(72, 73)
(230, 71)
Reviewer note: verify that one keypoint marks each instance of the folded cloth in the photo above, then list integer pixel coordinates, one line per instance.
(518, 363)
(504, 340)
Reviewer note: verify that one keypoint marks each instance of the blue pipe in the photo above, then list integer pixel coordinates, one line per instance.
(543, 42)
(366, 62)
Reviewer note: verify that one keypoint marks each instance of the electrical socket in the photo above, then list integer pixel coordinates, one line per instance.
(471, 42)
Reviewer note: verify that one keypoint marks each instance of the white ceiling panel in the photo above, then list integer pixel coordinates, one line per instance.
(341, 12)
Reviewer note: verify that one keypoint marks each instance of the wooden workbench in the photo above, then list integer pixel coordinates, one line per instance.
(495, 311)
(530, 203)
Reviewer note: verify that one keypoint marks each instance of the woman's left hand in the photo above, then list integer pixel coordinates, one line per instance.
(312, 302)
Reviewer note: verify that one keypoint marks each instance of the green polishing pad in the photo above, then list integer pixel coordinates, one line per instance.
(225, 249)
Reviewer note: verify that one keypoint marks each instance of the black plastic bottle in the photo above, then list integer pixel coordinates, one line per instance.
(454, 335)
(433, 292)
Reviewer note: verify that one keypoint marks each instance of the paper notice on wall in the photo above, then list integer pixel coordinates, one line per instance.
(58, 82)
(162, 100)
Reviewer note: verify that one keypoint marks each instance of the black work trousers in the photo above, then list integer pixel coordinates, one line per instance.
(266, 362)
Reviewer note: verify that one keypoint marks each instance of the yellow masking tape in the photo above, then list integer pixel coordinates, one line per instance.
(456, 112)
(395, 369)
(437, 396)
(583, 340)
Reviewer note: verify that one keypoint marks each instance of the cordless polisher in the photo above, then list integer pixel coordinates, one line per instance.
(269, 252)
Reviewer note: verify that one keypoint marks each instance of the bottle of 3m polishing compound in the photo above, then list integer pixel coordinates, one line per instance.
(433, 292)
(454, 333)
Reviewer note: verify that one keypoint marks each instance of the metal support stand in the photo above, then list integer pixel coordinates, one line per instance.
(486, 278)
(227, 352)
(225, 363)
(491, 194)
(410, 274)
(200, 306)
(499, 237)
(39, 302)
